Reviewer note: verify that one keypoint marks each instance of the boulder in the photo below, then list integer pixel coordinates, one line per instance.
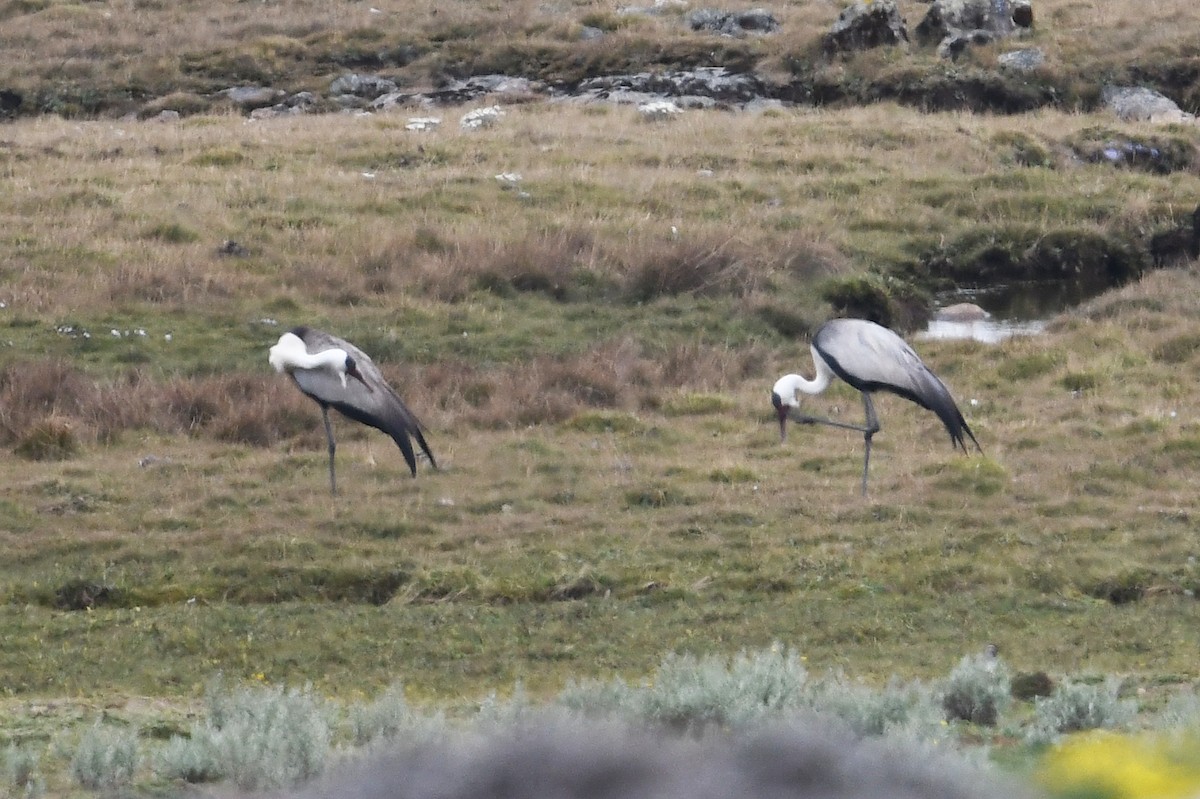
(704, 86)
(733, 23)
(961, 312)
(864, 25)
(365, 86)
(1025, 60)
(251, 97)
(952, 25)
(1139, 104)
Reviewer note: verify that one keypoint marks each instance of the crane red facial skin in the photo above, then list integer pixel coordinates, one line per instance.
(322, 366)
(782, 411)
(352, 371)
(869, 358)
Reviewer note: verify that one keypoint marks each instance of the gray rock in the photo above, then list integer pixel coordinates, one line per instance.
(733, 23)
(955, 43)
(1025, 60)
(1137, 104)
(252, 96)
(366, 86)
(394, 100)
(955, 24)
(863, 26)
(301, 100)
(704, 86)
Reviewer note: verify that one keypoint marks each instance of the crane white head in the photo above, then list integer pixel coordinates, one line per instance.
(290, 354)
(784, 398)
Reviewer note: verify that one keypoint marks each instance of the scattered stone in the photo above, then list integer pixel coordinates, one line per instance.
(301, 100)
(954, 25)
(733, 23)
(1138, 104)
(1025, 60)
(166, 116)
(956, 43)
(481, 118)
(703, 87)
(299, 103)
(961, 312)
(866, 25)
(365, 86)
(231, 249)
(152, 460)
(422, 124)
(658, 110)
(251, 97)
(591, 34)
(508, 179)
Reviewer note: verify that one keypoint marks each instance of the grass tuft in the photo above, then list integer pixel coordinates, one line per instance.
(48, 440)
(106, 757)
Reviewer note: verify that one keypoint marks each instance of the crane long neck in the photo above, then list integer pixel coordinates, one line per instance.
(822, 376)
(290, 353)
(334, 359)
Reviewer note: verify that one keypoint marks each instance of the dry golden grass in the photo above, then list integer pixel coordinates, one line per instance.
(138, 211)
(592, 360)
(126, 55)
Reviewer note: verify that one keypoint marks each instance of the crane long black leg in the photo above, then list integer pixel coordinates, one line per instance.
(332, 449)
(869, 429)
(802, 419)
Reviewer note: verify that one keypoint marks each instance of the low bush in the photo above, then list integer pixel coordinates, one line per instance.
(106, 757)
(978, 690)
(1078, 706)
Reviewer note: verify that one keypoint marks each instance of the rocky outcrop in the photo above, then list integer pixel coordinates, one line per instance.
(733, 23)
(1136, 104)
(697, 88)
(954, 25)
(251, 97)
(864, 25)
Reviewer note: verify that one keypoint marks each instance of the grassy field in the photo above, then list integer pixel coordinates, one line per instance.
(593, 353)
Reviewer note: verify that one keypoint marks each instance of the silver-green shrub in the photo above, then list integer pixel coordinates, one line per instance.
(691, 693)
(21, 772)
(389, 719)
(899, 707)
(1080, 706)
(381, 720)
(106, 757)
(978, 690)
(1182, 712)
(191, 761)
(598, 698)
(260, 739)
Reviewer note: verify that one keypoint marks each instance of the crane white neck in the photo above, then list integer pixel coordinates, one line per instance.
(291, 354)
(787, 386)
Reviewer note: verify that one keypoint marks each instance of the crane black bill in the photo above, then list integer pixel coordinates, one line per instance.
(352, 371)
(782, 411)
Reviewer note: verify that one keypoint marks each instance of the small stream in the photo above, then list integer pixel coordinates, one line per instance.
(1018, 309)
